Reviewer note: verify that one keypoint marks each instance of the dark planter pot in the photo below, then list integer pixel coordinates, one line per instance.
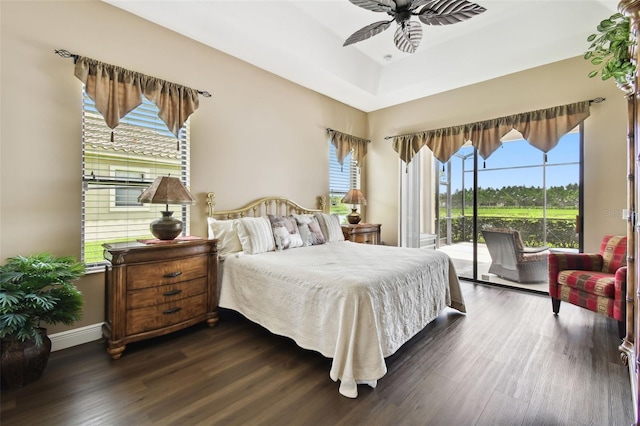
(24, 362)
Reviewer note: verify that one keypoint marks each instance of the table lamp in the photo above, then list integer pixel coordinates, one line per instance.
(354, 196)
(166, 190)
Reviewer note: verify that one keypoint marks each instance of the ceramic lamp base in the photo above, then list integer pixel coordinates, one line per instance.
(354, 217)
(167, 227)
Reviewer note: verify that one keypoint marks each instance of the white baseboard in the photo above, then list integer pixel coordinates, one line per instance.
(77, 336)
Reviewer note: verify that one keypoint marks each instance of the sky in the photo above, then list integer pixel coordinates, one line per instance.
(497, 171)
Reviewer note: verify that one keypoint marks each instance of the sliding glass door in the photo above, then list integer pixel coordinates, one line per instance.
(517, 188)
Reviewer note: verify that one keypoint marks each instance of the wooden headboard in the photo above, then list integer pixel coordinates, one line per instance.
(262, 207)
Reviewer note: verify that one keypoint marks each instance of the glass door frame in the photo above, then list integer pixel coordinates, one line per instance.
(578, 221)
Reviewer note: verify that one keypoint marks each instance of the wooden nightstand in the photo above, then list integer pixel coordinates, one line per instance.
(157, 289)
(366, 233)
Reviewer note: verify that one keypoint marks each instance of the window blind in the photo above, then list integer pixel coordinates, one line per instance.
(341, 179)
(117, 169)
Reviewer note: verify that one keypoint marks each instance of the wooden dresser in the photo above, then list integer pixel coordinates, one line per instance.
(157, 289)
(365, 233)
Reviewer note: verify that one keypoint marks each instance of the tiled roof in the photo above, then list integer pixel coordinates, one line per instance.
(131, 139)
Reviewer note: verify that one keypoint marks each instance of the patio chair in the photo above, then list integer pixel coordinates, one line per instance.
(511, 260)
(594, 281)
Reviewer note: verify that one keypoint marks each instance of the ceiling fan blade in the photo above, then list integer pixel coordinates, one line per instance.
(387, 6)
(367, 32)
(446, 12)
(416, 4)
(408, 36)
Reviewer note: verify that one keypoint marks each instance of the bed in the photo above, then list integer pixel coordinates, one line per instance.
(354, 303)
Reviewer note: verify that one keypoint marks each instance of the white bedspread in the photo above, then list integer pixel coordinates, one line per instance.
(354, 303)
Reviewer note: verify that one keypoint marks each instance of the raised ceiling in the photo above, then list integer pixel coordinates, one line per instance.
(301, 40)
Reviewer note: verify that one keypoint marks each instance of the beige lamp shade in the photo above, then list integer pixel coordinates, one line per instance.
(166, 190)
(354, 196)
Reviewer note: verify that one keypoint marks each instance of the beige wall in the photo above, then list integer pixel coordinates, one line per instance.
(258, 135)
(556, 84)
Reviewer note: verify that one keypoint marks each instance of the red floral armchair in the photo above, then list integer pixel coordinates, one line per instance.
(597, 282)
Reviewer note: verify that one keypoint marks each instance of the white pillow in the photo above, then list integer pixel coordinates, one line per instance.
(226, 233)
(255, 235)
(330, 225)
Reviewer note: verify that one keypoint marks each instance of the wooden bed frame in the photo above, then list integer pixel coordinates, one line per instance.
(275, 205)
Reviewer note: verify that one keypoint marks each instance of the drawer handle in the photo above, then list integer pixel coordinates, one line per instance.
(171, 311)
(172, 274)
(172, 292)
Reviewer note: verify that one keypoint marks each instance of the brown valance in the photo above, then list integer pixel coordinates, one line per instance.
(345, 144)
(117, 91)
(542, 129)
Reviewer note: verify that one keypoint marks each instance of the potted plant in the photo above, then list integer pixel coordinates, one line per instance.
(610, 50)
(34, 289)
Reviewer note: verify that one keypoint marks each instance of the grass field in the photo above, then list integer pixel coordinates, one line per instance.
(93, 250)
(534, 213)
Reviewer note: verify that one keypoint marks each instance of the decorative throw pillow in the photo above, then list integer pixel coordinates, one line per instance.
(309, 228)
(255, 234)
(226, 233)
(330, 224)
(285, 232)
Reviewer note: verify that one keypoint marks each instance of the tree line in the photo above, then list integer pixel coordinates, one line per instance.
(562, 197)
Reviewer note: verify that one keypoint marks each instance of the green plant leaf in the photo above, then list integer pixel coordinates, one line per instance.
(610, 49)
(606, 24)
(38, 288)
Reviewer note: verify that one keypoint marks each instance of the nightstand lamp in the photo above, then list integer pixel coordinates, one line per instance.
(354, 197)
(166, 190)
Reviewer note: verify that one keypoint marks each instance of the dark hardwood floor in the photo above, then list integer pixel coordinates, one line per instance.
(509, 361)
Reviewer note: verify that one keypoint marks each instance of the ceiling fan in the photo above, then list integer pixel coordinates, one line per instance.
(409, 33)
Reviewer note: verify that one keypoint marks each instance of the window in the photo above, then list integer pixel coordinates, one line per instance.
(127, 196)
(341, 179)
(116, 170)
